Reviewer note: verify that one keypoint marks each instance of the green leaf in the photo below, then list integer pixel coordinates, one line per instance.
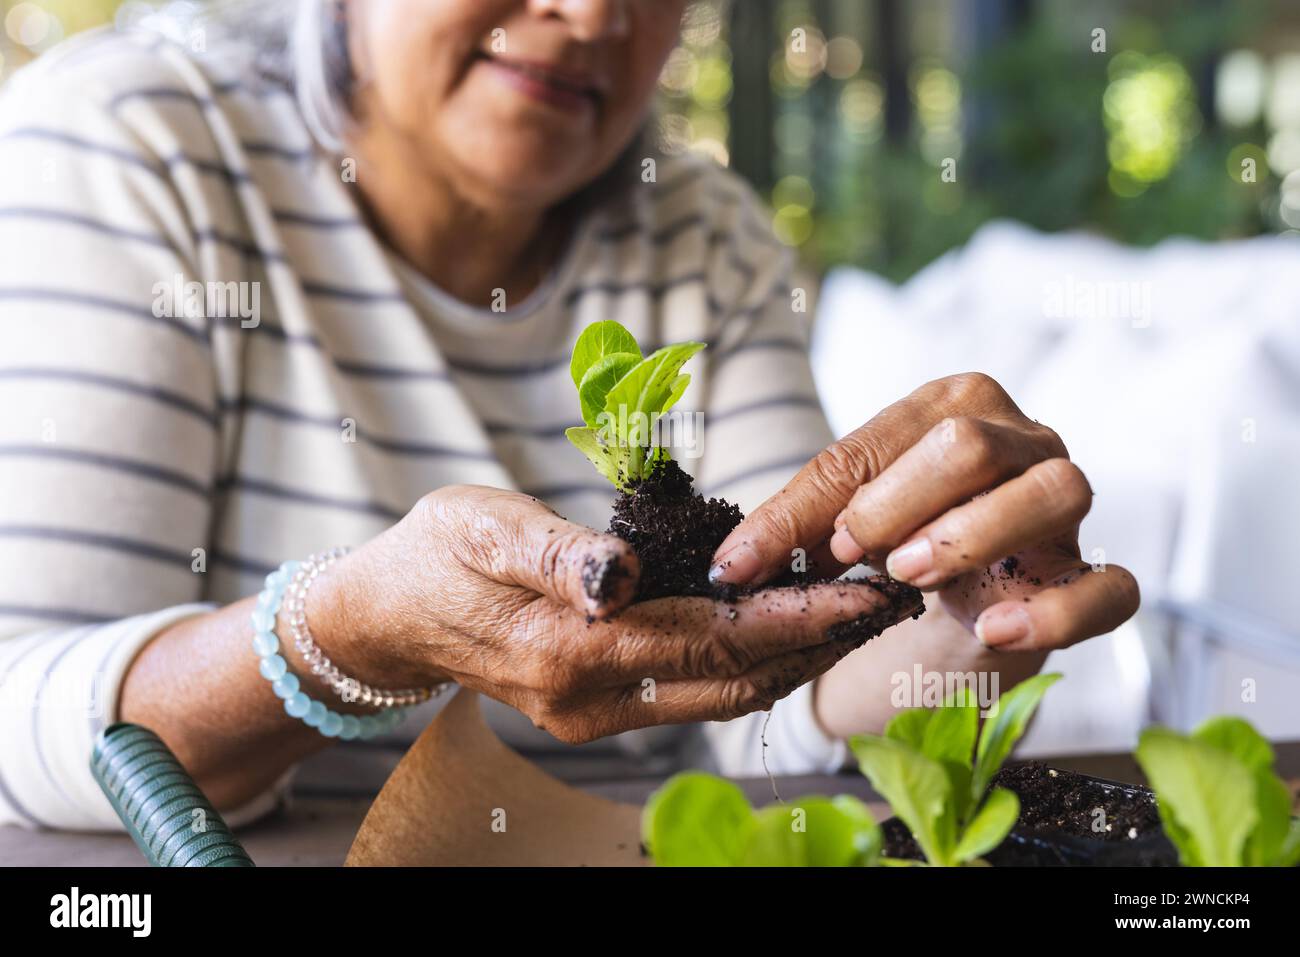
(908, 727)
(621, 394)
(1273, 805)
(1178, 836)
(1004, 726)
(990, 826)
(697, 820)
(946, 735)
(963, 802)
(868, 840)
(1206, 797)
(599, 378)
(648, 387)
(950, 740)
(813, 832)
(1238, 738)
(598, 340)
(1290, 853)
(951, 735)
(1265, 841)
(608, 461)
(679, 387)
(917, 790)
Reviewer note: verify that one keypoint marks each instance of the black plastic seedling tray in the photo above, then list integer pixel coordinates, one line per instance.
(1049, 849)
(1045, 847)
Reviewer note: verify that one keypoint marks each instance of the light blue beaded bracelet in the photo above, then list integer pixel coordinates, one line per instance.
(285, 684)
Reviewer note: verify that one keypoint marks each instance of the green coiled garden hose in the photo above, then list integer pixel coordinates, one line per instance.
(166, 814)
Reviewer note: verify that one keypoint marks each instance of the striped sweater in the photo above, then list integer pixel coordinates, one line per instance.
(161, 452)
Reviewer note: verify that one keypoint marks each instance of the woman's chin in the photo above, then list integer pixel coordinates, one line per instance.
(523, 151)
(524, 178)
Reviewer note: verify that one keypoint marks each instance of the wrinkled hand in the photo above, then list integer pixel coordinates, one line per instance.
(494, 590)
(954, 490)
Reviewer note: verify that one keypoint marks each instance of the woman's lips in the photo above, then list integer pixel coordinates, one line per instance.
(565, 90)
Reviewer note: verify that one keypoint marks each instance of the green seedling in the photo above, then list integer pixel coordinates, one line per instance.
(935, 775)
(1220, 801)
(698, 820)
(621, 395)
(933, 766)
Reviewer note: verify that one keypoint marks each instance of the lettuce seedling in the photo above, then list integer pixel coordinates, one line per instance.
(1220, 802)
(621, 395)
(935, 776)
(698, 820)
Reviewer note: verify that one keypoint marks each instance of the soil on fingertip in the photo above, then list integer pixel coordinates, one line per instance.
(602, 577)
(675, 532)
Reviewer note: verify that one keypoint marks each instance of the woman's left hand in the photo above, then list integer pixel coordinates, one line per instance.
(954, 490)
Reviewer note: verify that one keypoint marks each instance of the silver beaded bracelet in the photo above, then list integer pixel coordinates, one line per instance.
(349, 689)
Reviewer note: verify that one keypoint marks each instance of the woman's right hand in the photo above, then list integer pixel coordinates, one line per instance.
(497, 592)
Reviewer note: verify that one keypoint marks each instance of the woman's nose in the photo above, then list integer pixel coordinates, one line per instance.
(588, 19)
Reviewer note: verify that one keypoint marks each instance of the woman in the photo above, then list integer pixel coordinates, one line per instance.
(257, 308)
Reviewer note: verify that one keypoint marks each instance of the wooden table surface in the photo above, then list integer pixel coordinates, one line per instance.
(317, 831)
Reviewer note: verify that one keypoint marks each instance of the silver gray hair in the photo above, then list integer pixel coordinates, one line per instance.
(318, 49)
(302, 45)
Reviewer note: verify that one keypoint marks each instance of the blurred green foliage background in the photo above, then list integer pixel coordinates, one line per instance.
(1139, 119)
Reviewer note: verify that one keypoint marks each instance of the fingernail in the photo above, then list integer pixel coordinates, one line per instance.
(911, 562)
(739, 565)
(1001, 625)
(844, 548)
